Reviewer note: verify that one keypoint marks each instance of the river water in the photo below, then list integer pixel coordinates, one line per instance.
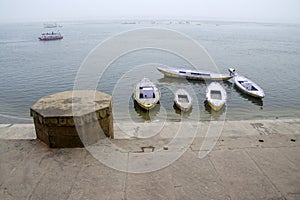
(268, 54)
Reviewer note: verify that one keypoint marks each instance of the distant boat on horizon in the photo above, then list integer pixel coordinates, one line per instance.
(51, 36)
(52, 25)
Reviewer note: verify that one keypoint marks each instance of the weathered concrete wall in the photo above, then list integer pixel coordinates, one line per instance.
(73, 119)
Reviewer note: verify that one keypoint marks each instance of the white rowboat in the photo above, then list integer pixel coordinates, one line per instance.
(183, 100)
(216, 96)
(146, 94)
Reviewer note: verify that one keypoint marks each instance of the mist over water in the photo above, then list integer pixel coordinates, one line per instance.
(268, 54)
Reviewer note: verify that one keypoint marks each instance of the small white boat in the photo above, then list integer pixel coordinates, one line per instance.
(52, 25)
(183, 100)
(51, 36)
(247, 86)
(146, 94)
(194, 75)
(216, 96)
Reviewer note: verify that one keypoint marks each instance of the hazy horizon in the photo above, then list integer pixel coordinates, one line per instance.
(12, 11)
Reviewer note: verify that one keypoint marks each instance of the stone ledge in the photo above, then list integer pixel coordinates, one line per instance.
(57, 116)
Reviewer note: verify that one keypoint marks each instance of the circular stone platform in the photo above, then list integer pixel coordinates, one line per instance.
(57, 116)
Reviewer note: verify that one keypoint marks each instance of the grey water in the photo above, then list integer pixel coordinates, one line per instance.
(268, 54)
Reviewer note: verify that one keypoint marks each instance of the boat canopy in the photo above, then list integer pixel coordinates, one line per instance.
(147, 92)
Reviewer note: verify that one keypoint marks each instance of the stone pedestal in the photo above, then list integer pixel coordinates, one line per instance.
(73, 118)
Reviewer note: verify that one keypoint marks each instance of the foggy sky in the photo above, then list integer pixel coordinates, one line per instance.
(62, 10)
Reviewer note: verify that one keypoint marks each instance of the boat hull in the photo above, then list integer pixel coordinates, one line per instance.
(48, 39)
(175, 73)
(146, 106)
(215, 107)
(183, 108)
(249, 93)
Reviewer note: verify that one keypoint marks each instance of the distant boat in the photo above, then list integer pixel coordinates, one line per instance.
(216, 96)
(183, 100)
(51, 36)
(194, 75)
(247, 86)
(128, 22)
(146, 94)
(51, 25)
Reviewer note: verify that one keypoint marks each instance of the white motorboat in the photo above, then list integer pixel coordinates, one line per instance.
(247, 86)
(216, 96)
(194, 75)
(146, 94)
(183, 100)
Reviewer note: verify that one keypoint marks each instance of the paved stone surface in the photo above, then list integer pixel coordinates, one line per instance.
(281, 166)
(242, 177)
(17, 131)
(196, 178)
(251, 160)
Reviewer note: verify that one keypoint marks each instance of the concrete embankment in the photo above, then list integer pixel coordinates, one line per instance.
(246, 160)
